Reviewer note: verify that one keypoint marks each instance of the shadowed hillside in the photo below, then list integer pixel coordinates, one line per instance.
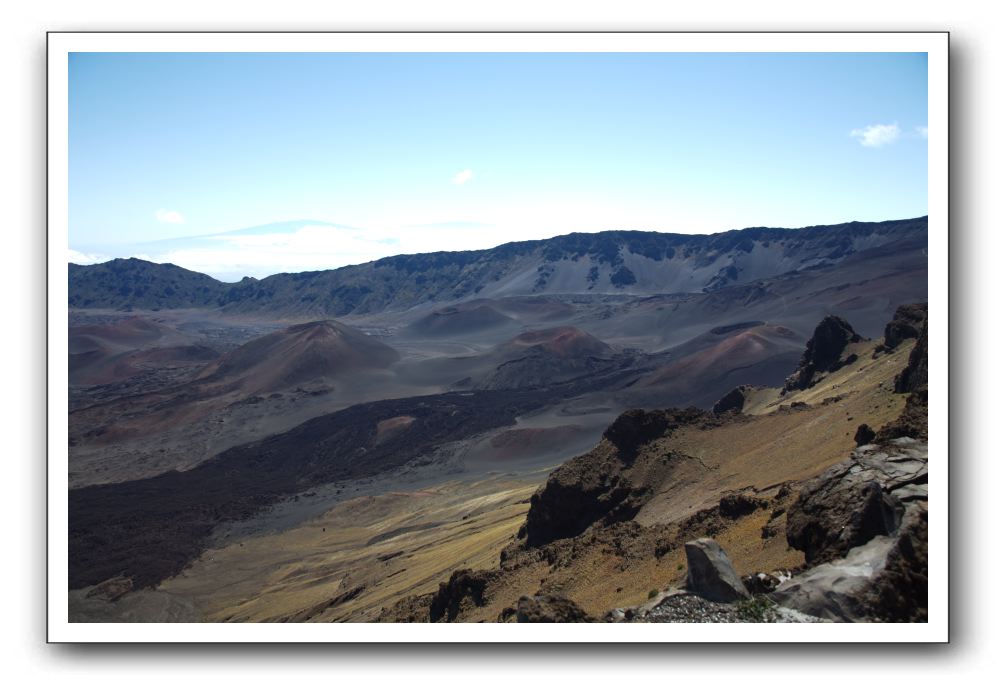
(606, 262)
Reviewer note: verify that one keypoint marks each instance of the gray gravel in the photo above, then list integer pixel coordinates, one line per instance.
(688, 608)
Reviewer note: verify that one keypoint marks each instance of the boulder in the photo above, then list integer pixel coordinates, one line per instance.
(711, 574)
(823, 352)
(550, 609)
(851, 503)
(864, 435)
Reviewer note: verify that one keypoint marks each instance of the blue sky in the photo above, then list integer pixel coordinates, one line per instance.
(358, 156)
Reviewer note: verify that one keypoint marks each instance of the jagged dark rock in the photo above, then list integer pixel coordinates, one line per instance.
(829, 520)
(907, 323)
(832, 589)
(864, 435)
(912, 421)
(739, 505)
(851, 503)
(571, 501)
(550, 609)
(899, 593)
(914, 376)
(760, 583)
(882, 580)
(823, 352)
(885, 578)
(464, 586)
(636, 427)
(594, 487)
(733, 401)
(711, 574)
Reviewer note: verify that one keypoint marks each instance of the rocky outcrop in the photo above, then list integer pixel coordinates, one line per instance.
(863, 524)
(907, 323)
(740, 504)
(882, 580)
(830, 520)
(465, 588)
(549, 609)
(912, 421)
(637, 427)
(853, 502)
(572, 500)
(899, 592)
(733, 401)
(597, 486)
(914, 376)
(823, 352)
(832, 590)
(711, 574)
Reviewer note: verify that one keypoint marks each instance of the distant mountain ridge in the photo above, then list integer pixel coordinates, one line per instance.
(614, 262)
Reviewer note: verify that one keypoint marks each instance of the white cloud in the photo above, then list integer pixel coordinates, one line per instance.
(85, 258)
(231, 256)
(423, 228)
(921, 132)
(877, 135)
(171, 217)
(462, 177)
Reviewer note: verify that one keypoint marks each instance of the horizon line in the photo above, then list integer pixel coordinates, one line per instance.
(478, 250)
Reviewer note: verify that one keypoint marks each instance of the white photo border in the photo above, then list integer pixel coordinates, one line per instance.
(61, 44)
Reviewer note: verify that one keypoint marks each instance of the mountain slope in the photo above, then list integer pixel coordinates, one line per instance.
(617, 262)
(609, 525)
(140, 284)
(106, 353)
(297, 354)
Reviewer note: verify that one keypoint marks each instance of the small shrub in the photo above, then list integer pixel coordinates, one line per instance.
(681, 566)
(653, 594)
(756, 609)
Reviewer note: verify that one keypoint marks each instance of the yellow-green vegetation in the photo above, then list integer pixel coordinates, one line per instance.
(757, 609)
(312, 572)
